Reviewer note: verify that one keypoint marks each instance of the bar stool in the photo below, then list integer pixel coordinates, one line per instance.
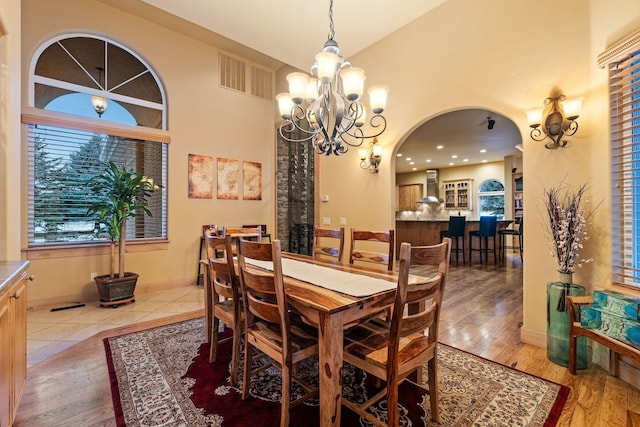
(511, 232)
(487, 230)
(455, 233)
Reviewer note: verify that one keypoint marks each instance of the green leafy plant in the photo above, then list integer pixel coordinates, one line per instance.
(122, 194)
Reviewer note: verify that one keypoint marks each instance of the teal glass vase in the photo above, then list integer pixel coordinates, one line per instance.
(558, 325)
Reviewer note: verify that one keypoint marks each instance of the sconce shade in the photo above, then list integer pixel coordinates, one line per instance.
(352, 82)
(378, 98)
(327, 63)
(573, 108)
(534, 117)
(285, 104)
(298, 87)
(99, 104)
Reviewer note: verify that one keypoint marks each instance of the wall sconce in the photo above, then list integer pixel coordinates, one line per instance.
(555, 121)
(370, 159)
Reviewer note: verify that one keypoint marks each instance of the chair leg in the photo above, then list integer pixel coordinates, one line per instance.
(213, 349)
(286, 395)
(246, 376)
(235, 354)
(432, 366)
(495, 255)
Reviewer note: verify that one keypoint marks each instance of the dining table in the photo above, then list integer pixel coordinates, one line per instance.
(332, 296)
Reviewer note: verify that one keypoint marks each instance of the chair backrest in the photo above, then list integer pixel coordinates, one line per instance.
(222, 270)
(488, 225)
(436, 256)
(319, 248)
(456, 226)
(521, 225)
(263, 227)
(245, 232)
(263, 291)
(383, 258)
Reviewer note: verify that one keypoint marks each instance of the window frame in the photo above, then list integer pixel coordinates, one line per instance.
(481, 194)
(623, 63)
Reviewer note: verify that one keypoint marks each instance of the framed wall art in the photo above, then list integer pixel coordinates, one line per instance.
(200, 177)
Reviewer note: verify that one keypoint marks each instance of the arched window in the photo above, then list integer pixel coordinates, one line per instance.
(491, 198)
(93, 101)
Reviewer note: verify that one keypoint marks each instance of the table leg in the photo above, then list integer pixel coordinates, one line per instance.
(330, 350)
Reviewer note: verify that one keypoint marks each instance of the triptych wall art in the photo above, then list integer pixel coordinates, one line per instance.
(229, 178)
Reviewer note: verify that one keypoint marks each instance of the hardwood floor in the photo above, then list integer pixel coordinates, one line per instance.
(482, 314)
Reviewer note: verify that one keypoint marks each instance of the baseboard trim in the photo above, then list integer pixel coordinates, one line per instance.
(536, 338)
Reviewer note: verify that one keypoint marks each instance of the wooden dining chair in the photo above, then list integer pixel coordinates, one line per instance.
(382, 258)
(319, 238)
(268, 324)
(224, 294)
(395, 348)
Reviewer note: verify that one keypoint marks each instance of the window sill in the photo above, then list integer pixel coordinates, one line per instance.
(91, 249)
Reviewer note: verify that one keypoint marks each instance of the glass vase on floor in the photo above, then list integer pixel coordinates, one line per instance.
(558, 324)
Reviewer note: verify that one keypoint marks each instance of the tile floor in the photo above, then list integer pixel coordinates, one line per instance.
(49, 332)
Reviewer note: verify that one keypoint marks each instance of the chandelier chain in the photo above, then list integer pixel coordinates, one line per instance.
(332, 33)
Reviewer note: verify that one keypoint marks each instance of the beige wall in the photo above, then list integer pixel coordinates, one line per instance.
(508, 62)
(10, 185)
(203, 119)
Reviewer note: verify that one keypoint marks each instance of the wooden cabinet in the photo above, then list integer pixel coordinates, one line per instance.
(518, 199)
(13, 341)
(458, 194)
(408, 195)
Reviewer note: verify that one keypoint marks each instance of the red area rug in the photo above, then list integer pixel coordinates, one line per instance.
(161, 376)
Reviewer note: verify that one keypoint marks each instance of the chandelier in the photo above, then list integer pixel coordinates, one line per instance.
(325, 108)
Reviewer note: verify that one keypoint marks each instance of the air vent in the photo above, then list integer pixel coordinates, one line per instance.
(232, 72)
(261, 83)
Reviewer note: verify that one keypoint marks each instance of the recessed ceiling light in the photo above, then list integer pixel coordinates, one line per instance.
(414, 169)
(412, 163)
(440, 147)
(465, 160)
(484, 161)
(408, 159)
(483, 151)
(455, 156)
(399, 155)
(451, 163)
(428, 160)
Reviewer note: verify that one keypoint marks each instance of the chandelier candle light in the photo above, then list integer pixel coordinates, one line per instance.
(329, 102)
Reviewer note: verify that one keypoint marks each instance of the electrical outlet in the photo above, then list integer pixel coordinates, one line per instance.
(93, 276)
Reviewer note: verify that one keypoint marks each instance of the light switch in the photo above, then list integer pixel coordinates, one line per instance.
(324, 198)
(326, 220)
(343, 220)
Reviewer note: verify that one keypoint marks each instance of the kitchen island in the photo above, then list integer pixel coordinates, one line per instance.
(427, 232)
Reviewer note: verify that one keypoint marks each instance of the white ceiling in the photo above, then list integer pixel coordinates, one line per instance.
(293, 31)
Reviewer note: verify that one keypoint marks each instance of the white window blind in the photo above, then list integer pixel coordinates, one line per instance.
(623, 62)
(62, 160)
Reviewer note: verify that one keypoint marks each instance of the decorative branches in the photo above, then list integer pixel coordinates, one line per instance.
(568, 222)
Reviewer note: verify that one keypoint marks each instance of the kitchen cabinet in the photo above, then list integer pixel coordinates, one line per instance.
(458, 194)
(408, 195)
(13, 337)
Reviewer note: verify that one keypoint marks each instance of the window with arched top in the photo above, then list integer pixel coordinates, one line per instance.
(92, 101)
(491, 198)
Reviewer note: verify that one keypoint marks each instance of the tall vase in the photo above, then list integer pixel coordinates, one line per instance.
(558, 322)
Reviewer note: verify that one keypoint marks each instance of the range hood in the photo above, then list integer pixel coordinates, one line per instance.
(432, 188)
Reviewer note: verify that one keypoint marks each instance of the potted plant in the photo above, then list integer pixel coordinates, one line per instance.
(121, 194)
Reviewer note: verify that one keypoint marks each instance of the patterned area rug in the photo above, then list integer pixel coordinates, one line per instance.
(161, 377)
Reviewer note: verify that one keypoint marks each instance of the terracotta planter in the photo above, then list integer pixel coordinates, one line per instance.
(116, 289)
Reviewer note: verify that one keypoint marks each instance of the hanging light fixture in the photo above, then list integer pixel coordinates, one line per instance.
(329, 102)
(555, 121)
(99, 103)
